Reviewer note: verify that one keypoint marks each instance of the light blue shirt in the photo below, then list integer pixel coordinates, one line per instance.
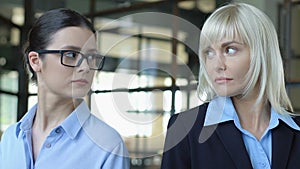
(82, 141)
(221, 109)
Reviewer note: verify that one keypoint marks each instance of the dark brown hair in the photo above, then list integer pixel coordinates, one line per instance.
(49, 23)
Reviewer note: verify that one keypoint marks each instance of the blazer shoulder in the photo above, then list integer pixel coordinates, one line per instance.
(189, 117)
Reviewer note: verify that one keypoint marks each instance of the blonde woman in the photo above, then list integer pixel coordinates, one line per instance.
(247, 120)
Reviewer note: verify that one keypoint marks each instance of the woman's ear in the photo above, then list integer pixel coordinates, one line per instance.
(34, 61)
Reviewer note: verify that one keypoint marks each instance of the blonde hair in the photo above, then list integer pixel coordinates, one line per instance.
(256, 30)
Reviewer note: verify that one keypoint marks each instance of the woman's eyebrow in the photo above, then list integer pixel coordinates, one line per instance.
(206, 48)
(231, 42)
(92, 50)
(71, 47)
(76, 48)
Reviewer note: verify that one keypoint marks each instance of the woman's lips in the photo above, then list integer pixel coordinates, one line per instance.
(80, 81)
(222, 80)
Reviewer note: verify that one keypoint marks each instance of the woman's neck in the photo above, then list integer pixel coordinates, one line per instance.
(253, 117)
(51, 111)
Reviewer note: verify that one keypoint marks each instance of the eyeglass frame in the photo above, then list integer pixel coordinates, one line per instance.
(61, 52)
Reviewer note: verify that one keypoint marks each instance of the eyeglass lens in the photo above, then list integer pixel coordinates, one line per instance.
(73, 58)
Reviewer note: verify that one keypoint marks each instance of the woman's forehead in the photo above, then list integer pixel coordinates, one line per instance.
(220, 41)
(74, 36)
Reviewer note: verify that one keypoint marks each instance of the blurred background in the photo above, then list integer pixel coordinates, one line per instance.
(151, 63)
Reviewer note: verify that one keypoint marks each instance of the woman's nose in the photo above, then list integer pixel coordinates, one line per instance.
(221, 62)
(84, 65)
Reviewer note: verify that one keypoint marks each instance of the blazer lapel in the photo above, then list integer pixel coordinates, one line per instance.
(282, 138)
(234, 144)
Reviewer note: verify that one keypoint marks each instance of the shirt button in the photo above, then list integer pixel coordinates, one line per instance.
(263, 165)
(48, 145)
(57, 130)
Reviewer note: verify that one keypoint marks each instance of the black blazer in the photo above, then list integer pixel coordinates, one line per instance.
(189, 145)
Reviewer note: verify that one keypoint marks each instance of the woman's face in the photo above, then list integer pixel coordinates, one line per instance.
(227, 63)
(70, 82)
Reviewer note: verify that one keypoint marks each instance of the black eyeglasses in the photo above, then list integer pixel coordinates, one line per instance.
(73, 58)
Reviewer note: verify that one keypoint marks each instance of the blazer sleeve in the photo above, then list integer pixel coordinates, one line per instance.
(176, 153)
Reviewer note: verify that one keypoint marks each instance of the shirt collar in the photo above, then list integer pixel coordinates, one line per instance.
(25, 124)
(74, 122)
(221, 109)
(287, 119)
(71, 125)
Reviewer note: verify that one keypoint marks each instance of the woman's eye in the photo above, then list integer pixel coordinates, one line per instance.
(208, 53)
(230, 51)
(93, 55)
(70, 54)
